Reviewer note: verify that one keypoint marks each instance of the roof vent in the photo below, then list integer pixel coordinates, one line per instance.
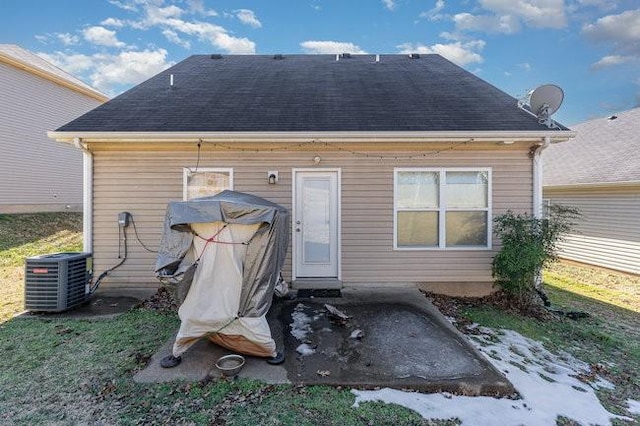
(613, 117)
(278, 57)
(346, 55)
(414, 56)
(216, 56)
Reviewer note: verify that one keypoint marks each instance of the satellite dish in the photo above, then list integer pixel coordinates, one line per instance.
(544, 101)
(547, 97)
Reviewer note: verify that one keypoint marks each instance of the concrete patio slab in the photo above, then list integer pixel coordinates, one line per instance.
(406, 344)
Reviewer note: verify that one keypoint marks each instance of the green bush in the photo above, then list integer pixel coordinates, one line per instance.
(528, 244)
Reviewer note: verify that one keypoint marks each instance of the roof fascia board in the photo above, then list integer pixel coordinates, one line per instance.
(382, 137)
(53, 78)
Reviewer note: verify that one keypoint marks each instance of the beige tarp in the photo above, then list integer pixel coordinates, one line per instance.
(211, 307)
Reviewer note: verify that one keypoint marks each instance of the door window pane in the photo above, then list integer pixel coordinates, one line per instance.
(416, 190)
(316, 220)
(466, 229)
(417, 229)
(466, 189)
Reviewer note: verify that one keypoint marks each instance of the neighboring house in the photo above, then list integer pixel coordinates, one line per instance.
(393, 166)
(599, 173)
(35, 96)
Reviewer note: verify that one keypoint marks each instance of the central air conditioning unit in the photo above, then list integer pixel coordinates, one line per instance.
(57, 282)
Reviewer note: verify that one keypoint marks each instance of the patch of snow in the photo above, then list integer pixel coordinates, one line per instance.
(633, 406)
(356, 334)
(546, 382)
(301, 325)
(305, 350)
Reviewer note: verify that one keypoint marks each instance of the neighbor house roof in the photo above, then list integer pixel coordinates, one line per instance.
(310, 93)
(605, 150)
(18, 57)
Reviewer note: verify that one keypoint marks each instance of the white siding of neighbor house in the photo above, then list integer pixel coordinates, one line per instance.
(143, 181)
(37, 173)
(608, 233)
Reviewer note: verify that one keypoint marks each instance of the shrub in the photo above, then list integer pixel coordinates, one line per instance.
(528, 244)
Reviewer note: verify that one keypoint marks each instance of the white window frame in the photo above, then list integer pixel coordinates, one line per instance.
(442, 207)
(187, 170)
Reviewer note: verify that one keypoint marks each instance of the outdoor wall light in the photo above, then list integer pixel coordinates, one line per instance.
(317, 159)
(272, 177)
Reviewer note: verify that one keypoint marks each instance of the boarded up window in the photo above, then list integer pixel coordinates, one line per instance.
(206, 182)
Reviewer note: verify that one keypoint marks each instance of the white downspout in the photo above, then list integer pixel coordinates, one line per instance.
(537, 177)
(87, 196)
(537, 191)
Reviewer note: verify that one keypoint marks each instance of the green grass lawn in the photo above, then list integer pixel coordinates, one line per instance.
(62, 371)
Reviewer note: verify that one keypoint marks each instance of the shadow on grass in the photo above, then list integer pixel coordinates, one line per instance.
(20, 229)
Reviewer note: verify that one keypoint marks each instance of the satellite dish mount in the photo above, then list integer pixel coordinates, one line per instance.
(544, 102)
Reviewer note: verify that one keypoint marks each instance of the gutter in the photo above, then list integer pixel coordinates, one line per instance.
(537, 177)
(304, 136)
(87, 196)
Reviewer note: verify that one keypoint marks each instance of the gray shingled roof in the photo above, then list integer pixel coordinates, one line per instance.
(254, 93)
(605, 150)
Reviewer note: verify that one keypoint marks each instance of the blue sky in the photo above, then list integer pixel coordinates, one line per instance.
(590, 48)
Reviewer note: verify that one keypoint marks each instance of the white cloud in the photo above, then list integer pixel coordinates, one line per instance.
(129, 68)
(174, 38)
(600, 4)
(160, 15)
(622, 32)
(434, 13)
(622, 28)
(197, 6)
(452, 36)
(109, 73)
(508, 16)
(42, 38)
(170, 18)
(102, 36)
(248, 17)
(505, 24)
(113, 22)
(326, 46)
(534, 13)
(458, 52)
(68, 39)
(389, 4)
(611, 60)
(73, 63)
(124, 5)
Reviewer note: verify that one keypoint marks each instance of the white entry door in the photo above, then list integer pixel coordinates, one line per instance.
(315, 224)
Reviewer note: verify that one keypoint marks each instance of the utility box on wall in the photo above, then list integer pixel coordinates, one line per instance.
(57, 282)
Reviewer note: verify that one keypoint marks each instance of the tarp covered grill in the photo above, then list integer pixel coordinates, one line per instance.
(222, 255)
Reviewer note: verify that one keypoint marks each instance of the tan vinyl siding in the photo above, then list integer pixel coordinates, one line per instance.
(143, 182)
(608, 233)
(37, 173)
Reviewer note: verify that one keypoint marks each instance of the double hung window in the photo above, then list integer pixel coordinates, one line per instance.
(440, 208)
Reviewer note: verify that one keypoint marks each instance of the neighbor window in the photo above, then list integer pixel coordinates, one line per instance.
(205, 182)
(442, 208)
